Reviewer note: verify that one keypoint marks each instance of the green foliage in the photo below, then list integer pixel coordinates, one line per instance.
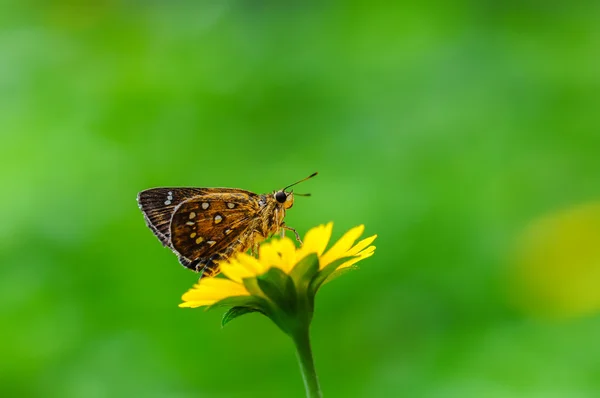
(235, 312)
(240, 301)
(339, 272)
(279, 288)
(305, 270)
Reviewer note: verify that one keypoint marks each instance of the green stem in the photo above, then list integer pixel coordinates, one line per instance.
(307, 364)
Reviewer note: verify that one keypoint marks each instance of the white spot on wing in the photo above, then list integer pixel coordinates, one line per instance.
(218, 219)
(205, 205)
(231, 205)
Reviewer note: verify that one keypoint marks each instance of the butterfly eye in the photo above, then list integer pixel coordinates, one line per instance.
(280, 197)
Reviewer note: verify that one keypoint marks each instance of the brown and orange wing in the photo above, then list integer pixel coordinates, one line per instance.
(158, 206)
(209, 226)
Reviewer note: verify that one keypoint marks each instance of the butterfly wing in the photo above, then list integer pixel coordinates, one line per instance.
(210, 226)
(158, 205)
(221, 216)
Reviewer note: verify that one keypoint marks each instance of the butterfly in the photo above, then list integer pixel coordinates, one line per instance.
(203, 226)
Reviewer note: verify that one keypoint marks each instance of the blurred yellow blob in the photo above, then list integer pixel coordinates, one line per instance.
(557, 264)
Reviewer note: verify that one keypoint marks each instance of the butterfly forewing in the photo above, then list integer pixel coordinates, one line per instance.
(158, 204)
(209, 225)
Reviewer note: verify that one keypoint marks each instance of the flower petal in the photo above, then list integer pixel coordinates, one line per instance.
(339, 249)
(196, 304)
(287, 250)
(269, 256)
(368, 252)
(252, 263)
(360, 246)
(315, 241)
(236, 270)
(210, 290)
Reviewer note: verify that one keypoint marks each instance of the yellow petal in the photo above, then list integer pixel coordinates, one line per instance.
(276, 245)
(196, 304)
(339, 249)
(315, 240)
(210, 290)
(268, 255)
(235, 271)
(242, 266)
(360, 246)
(287, 250)
(251, 263)
(368, 252)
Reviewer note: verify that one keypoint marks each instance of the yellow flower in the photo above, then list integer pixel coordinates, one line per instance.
(283, 255)
(281, 284)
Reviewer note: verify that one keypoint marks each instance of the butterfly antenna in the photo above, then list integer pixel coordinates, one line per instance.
(301, 194)
(298, 182)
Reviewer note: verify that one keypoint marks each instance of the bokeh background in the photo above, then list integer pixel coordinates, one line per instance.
(465, 134)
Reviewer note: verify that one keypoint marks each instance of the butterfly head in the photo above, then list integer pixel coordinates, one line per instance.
(285, 199)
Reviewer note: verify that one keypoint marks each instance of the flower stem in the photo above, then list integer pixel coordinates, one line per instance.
(307, 364)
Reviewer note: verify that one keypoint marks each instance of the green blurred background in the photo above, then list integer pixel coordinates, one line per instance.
(467, 136)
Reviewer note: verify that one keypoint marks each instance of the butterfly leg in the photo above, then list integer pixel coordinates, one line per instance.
(284, 227)
(254, 250)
